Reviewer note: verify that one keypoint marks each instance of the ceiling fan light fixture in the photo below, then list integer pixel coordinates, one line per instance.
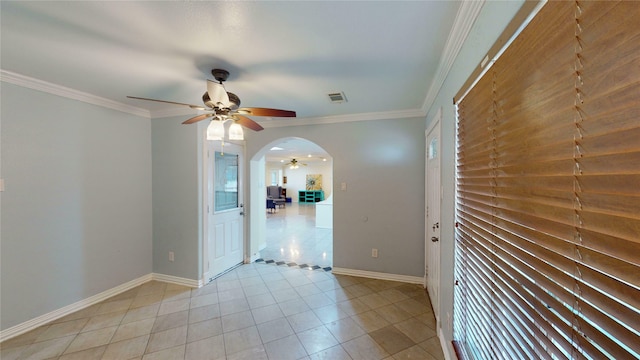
(236, 132)
(215, 130)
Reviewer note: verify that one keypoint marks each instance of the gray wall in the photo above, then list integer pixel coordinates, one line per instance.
(176, 197)
(494, 17)
(76, 211)
(382, 163)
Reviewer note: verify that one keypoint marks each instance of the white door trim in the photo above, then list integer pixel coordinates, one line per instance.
(435, 131)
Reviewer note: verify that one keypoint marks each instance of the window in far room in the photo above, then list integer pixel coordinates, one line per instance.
(275, 177)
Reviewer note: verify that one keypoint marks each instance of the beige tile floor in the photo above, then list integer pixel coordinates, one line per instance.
(257, 311)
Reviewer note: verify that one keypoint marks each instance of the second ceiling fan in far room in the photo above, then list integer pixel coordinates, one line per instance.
(294, 164)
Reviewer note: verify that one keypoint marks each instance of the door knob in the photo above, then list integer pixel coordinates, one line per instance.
(434, 239)
(436, 226)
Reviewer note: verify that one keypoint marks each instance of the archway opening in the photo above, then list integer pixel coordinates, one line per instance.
(292, 221)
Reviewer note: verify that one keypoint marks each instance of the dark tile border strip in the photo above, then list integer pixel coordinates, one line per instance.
(292, 264)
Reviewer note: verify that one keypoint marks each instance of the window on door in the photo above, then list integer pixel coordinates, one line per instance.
(226, 181)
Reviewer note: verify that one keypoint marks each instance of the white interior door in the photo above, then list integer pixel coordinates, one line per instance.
(225, 211)
(432, 221)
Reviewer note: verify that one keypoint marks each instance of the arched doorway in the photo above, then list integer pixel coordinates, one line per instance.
(299, 230)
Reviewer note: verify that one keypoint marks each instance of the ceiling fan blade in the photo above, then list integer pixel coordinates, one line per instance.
(266, 112)
(246, 122)
(218, 94)
(198, 107)
(198, 118)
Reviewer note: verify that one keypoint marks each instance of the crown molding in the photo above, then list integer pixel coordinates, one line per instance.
(47, 87)
(465, 18)
(383, 115)
(281, 122)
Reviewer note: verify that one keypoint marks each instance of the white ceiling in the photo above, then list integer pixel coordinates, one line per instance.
(299, 149)
(384, 55)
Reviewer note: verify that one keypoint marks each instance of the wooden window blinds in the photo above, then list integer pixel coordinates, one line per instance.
(547, 260)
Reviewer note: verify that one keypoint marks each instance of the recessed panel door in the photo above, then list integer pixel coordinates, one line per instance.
(225, 238)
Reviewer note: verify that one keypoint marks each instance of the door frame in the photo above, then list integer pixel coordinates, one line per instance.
(204, 196)
(435, 128)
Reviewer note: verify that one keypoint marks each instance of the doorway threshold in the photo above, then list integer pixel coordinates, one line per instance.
(293, 265)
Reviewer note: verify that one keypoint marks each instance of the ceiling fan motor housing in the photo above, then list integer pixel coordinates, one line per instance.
(220, 74)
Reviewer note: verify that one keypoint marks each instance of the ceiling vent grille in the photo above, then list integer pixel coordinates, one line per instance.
(337, 97)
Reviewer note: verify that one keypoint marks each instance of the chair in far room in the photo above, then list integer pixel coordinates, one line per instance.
(271, 205)
(274, 193)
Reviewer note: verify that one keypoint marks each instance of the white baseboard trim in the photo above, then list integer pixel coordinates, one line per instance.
(178, 280)
(446, 347)
(77, 306)
(379, 275)
(64, 311)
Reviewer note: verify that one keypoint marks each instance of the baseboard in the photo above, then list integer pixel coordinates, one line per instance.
(64, 311)
(379, 275)
(57, 314)
(446, 346)
(178, 280)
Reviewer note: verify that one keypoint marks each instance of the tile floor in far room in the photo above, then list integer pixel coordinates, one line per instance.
(292, 236)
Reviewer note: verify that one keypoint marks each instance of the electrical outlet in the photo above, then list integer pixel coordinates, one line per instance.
(374, 252)
(171, 256)
(343, 186)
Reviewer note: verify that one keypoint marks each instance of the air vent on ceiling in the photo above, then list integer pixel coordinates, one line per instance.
(337, 97)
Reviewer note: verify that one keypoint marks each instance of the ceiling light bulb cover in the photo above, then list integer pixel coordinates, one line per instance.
(235, 132)
(215, 130)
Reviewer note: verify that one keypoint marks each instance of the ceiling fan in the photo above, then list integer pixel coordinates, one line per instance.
(294, 164)
(222, 106)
